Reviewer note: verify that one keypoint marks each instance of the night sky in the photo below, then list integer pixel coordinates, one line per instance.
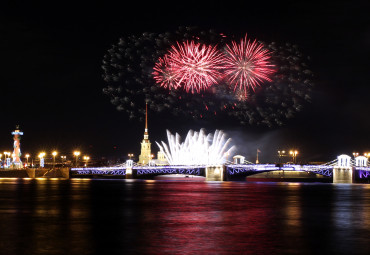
(51, 75)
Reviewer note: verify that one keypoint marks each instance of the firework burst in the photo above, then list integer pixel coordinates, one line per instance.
(164, 74)
(247, 65)
(195, 66)
(130, 65)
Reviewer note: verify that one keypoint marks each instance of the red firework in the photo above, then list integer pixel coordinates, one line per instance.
(247, 65)
(193, 66)
(164, 74)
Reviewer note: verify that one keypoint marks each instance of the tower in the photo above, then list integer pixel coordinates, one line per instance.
(145, 155)
(17, 147)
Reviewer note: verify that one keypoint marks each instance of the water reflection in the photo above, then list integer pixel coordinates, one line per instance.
(81, 216)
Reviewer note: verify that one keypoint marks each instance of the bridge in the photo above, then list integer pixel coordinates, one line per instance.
(341, 170)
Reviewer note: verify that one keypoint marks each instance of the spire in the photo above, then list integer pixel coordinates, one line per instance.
(146, 117)
(146, 135)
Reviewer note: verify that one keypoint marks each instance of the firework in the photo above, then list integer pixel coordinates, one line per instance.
(280, 99)
(198, 148)
(193, 66)
(128, 73)
(165, 74)
(247, 65)
(151, 67)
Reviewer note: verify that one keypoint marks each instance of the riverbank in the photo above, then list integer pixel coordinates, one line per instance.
(35, 173)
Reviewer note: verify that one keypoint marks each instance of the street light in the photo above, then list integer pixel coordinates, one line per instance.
(281, 154)
(76, 153)
(151, 160)
(294, 155)
(54, 154)
(7, 158)
(27, 156)
(86, 158)
(355, 154)
(64, 158)
(130, 155)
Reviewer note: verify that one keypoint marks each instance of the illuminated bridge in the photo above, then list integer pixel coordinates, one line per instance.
(138, 171)
(224, 172)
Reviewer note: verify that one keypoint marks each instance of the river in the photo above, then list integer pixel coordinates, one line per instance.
(83, 216)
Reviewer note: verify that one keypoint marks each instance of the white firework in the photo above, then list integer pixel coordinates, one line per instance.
(199, 148)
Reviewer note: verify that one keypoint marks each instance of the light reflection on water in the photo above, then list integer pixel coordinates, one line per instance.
(82, 216)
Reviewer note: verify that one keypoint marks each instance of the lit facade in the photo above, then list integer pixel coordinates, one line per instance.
(161, 159)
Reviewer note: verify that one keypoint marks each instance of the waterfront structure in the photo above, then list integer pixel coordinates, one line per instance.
(17, 163)
(238, 159)
(145, 156)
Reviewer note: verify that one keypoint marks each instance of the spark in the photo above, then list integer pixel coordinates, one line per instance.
(198, 148)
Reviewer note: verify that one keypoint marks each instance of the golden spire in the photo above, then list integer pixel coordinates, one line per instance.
(146, 135)
(146, 117)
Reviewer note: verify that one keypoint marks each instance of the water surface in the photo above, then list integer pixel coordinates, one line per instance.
(82, 216)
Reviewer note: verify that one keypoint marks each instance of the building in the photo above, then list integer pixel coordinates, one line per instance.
(145, 155)
(161, 159)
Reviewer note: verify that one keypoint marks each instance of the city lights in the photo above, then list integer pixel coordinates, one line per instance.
(281, 154)
(86, 159)
(294, 154)
(76, 154)
(54, 154)
(27, 156)
(41, 156)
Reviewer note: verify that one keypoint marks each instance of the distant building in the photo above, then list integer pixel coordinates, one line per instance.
(161, 159)
(145, 155)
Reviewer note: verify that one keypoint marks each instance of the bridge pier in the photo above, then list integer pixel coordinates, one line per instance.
(215, 173)
(128, 173)
(343, 175)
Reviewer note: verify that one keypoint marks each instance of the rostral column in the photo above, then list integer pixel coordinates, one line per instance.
(17, 147)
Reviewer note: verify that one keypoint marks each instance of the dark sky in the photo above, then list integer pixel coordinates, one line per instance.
(51, 84)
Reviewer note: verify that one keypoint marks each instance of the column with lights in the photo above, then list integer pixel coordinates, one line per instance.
(17, 148)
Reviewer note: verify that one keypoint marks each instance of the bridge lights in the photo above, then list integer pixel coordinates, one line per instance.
(130, 155)
(355, 154)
